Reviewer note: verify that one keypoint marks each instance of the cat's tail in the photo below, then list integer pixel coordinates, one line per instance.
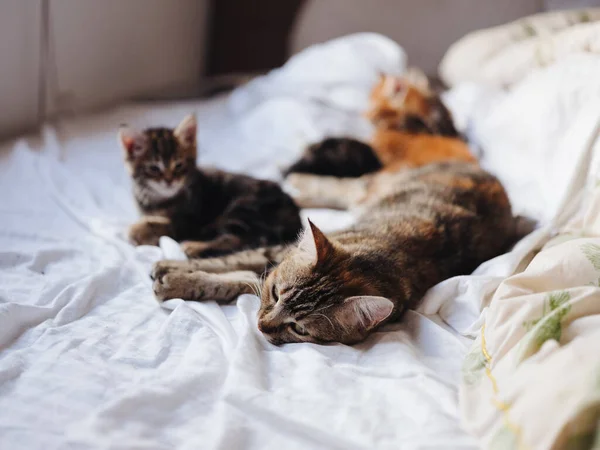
(522, 227)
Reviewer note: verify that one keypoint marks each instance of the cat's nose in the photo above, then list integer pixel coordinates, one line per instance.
(265, 327)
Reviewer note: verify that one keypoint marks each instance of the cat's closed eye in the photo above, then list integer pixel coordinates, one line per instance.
(298, 329)
(274, 293)
(153, 169)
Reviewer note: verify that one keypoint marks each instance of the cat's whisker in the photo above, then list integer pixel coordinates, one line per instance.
(252, 287)
(261, 283)
(323, 308)
(323, 315)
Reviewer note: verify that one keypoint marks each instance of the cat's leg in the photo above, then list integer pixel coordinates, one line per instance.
(223, 244)
(337, 157)
(200, 285)
(256, 260)
(252, 219)
(149, 229)
(315, 191)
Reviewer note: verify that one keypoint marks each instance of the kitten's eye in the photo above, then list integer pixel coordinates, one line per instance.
(153, 169)
(178, 167)
(274, 293)
(298, 329)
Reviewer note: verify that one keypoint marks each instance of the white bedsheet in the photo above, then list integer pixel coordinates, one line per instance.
(89, 359)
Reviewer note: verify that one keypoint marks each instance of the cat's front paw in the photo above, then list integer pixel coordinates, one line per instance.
(161, 268)
(142, 234)
(194, 249)
(295, 185)
(149, 230)
(176, 284)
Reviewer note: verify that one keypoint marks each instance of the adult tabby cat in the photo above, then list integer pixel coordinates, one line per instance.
(417, 228)
(212, 211)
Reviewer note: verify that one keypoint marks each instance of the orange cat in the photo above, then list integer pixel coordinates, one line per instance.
(413, 128)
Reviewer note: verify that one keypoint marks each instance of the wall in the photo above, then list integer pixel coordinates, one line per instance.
(104, 51)
(19, 53)
(425, 28)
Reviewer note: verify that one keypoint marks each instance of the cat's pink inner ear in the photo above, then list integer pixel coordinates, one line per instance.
(400, 86)
(314, 243)
(186, 130)
(364, 312)
(132, 141)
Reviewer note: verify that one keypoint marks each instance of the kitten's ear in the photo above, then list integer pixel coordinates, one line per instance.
(316, 244)
(363, 312)
(132, 141)
(186, 131)
(418, 79)
(394, 87)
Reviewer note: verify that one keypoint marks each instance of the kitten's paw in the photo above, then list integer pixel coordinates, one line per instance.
(194, 249)
(294, 183)
(177, 285)
(142, 234)
(161, 268)
(297, 187)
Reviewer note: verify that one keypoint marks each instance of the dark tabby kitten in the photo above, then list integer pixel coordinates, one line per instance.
(214, 212)
(417, 228)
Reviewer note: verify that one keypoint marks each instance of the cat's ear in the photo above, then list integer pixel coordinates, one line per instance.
(363, 312)
(316, 244)
(186, 131)
(417, 78)
(133, 142)
(395, 88)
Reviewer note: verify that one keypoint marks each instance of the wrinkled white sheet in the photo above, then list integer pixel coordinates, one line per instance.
(88, 358)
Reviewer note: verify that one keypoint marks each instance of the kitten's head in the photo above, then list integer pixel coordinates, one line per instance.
(160, 159)
(394, 99)
(319, 293)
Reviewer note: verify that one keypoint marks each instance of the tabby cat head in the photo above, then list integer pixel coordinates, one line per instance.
(160, 159)
(320, 294)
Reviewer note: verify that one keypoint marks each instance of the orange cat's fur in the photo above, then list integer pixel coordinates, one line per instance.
(399, 150)
(412, 129)
(394, 103)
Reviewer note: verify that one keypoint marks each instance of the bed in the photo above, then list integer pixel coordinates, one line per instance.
(89, 359)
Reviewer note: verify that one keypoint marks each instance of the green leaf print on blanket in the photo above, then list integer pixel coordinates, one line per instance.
(592, 253)
(504, 439)
(549, 326)
(474, 365)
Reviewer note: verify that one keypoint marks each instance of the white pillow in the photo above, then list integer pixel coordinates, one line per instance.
(503, 55)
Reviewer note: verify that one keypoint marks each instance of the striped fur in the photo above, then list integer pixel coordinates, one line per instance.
(214, 212)
(417, 228)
